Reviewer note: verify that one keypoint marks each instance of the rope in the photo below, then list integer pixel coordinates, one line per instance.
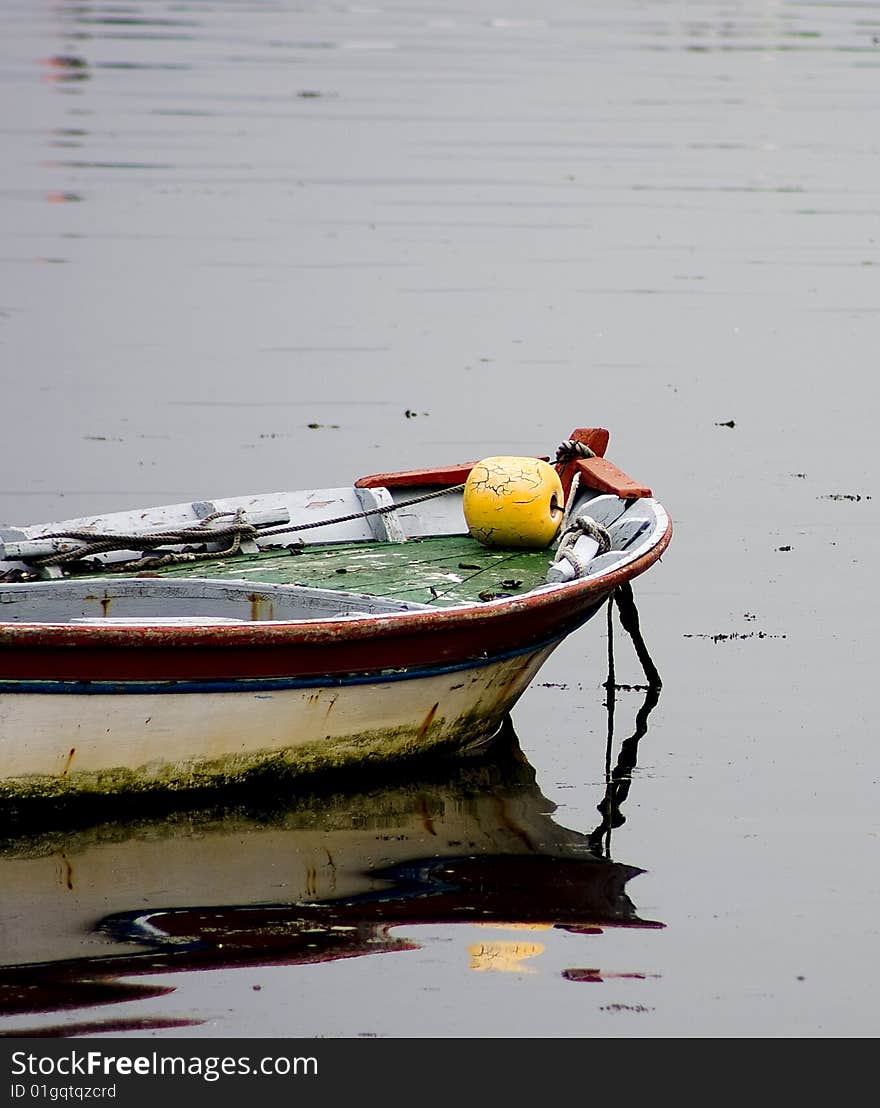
(570, 449)
(619, 779)
(159, 538)
(583, 525)
(238, 531)
(629, 620)
(381, 511)
(569, 504)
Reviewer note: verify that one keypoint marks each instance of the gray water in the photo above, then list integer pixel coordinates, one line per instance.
(268, 245)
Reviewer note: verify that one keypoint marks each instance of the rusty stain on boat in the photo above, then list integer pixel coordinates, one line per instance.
(426, 722)
(70, 755)
(261, 607)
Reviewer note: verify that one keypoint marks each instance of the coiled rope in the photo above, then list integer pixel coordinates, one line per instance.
(582, 525)
(237, 532)
(570, 449)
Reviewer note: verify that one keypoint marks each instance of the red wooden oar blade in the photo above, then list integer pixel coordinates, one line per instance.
(594, 437)
(442, 475)
(604, 476)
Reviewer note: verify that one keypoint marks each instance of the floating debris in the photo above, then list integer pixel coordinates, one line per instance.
(727, 423)
(728, 636)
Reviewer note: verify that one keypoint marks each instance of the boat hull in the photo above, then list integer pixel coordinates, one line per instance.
(85, 738)
(390, 632)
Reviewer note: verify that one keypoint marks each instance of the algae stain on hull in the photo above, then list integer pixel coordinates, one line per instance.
(375, 747)
(112, 745)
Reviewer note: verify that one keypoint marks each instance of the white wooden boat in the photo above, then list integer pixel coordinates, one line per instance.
(200, 643)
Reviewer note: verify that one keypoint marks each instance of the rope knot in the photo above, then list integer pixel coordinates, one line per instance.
(581, 526)
(586, 525)
(571, 449)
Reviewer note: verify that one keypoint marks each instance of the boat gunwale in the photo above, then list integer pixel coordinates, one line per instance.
(267, 633)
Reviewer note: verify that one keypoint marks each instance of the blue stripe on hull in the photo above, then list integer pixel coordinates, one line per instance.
(261, 684)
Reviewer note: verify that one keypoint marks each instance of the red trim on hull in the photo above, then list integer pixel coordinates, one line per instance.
(307, 648)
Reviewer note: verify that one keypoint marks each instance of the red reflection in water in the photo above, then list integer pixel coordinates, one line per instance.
(596, 976)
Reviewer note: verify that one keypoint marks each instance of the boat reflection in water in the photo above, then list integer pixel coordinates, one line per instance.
(86, 911)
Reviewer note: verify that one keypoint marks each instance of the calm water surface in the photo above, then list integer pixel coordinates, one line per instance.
(266, 245)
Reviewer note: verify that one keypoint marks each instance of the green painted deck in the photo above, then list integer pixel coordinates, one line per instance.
(438, 571)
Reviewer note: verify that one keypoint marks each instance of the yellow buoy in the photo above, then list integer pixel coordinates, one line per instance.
(513, 502)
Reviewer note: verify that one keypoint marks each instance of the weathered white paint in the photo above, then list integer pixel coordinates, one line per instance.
(648, 520)
(385, 526)
(633, 530)
(192, 599)
(65, 741)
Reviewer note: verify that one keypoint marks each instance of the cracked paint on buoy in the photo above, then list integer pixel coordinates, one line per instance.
(516, 502)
